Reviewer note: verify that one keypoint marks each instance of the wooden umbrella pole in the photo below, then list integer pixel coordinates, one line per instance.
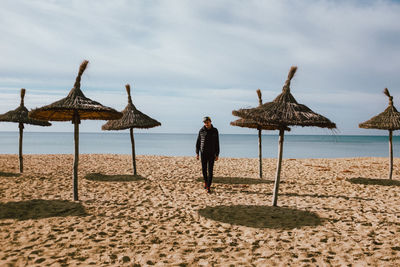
(390, 154)
(21, 159)
(278, 168)
(133, 152)
(260, 151)
(259, 134)
(76, 122)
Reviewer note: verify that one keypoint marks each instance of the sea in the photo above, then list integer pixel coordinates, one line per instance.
(231, 145)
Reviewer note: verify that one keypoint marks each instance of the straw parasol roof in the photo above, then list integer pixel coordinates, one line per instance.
(63, 110)
(249, 123)
(20, 114)
(387, 120)
(131, 118)
(285, 111)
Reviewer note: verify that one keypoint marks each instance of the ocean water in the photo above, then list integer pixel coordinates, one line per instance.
(231, 145)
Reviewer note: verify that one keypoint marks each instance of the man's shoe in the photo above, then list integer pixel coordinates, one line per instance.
(208, 190)
(205, 185)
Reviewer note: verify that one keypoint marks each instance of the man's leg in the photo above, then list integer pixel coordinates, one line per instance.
(210, 166)
(204, 168)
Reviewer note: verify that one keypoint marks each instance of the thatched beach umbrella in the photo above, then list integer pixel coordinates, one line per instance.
(20, 116)
(387, 120)
(75, 107)
(131, 118)
(249, 123)
(284, 111)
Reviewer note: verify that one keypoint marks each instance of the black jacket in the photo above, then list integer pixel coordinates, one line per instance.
(208, 141)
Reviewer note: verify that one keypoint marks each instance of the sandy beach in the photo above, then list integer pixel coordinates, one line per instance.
(332, 212)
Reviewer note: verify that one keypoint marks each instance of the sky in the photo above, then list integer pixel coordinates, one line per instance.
(189, 59)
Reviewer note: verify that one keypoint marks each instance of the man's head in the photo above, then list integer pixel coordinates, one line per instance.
(207, 122)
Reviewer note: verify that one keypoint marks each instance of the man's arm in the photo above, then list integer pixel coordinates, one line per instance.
(217, 146)
(198, 144)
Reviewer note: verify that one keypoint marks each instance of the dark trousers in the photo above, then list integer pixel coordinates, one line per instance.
(207, 166)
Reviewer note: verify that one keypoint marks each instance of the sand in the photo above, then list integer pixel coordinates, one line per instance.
(332, 212)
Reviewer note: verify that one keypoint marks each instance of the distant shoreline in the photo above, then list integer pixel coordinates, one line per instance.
(264, 133)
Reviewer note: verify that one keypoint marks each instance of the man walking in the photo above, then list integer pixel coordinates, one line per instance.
(208, 145)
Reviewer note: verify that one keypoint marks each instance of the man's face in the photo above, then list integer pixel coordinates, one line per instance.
(207, 124)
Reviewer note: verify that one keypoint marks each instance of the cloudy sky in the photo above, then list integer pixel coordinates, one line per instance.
(188, 59)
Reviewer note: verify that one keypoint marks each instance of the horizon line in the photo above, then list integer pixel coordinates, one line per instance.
(121, 132)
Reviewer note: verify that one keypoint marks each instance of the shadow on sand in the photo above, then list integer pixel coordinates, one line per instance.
(308, 195)
(262, 216)
(237, 180)
(113, 178)
(9, 174)
(370, 181)
(40, 208)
